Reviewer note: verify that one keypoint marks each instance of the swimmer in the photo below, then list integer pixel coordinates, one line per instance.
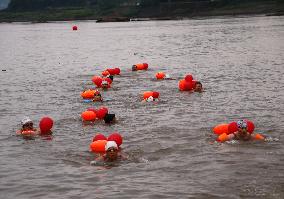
(168, 77)
(110, 118)
(150, 99)
(27, 125)
(241, 133)
(111, 77)
(105, 85)
(97, 97)
(112, 153)
(134, 68)
(198, 87)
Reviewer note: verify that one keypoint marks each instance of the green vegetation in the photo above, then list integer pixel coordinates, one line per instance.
(122, 10)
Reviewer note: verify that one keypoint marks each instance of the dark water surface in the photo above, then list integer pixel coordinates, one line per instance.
(44, 68)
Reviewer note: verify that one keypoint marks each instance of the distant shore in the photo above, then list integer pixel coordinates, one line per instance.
(151, 13)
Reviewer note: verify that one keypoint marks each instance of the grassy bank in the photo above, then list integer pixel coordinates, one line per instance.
(163, 11)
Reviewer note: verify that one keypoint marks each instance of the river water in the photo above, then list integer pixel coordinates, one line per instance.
(45, 66)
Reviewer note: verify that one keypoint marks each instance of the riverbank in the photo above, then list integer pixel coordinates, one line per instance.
(161, 12)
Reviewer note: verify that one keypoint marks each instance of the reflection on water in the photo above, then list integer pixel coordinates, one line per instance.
(45, 67)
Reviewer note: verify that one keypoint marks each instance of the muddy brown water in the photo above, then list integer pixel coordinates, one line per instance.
(44, 68)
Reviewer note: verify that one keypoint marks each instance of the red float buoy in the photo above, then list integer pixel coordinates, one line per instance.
(117, 71)
(97, 80)
(156, 94)
(145, 66)
(160, 75)
(233, 127)
(99, 136)
(45, 125)
(74, 28)
(250, 126)
(188, 78)
(115, 137)
(102, 112)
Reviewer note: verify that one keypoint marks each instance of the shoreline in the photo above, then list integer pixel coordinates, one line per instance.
(147, 14)
(137, 19)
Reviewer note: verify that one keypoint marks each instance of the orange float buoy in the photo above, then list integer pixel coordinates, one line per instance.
(223, 137)
(88, 94)
(181, 85)
(98, 146)
(105, 73)
(74, 28)
(221, 128)
(28, 133)
(258, 137)
(160, 75)
(147, 94)
(88, 115)
(140, 66)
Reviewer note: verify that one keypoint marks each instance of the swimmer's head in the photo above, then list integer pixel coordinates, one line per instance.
(111, 144)
(242, 127)
(109, 118)
(150, 99)
(97, 96)
(111, 150)
(167, 76)
(111, 77)
(198, 87)
(27, 123)
(134, 68)
(105, 84)
(242, 124)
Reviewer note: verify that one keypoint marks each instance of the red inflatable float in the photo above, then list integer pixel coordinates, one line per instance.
(97, 80)
(45, 125)
(88, 116)
(98, 146)
(160, 75)
(100, 113)
(153, 94)
(99, 136)
(115, 137)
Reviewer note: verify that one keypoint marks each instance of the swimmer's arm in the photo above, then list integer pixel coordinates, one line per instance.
(224, 137)
(231, 136)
